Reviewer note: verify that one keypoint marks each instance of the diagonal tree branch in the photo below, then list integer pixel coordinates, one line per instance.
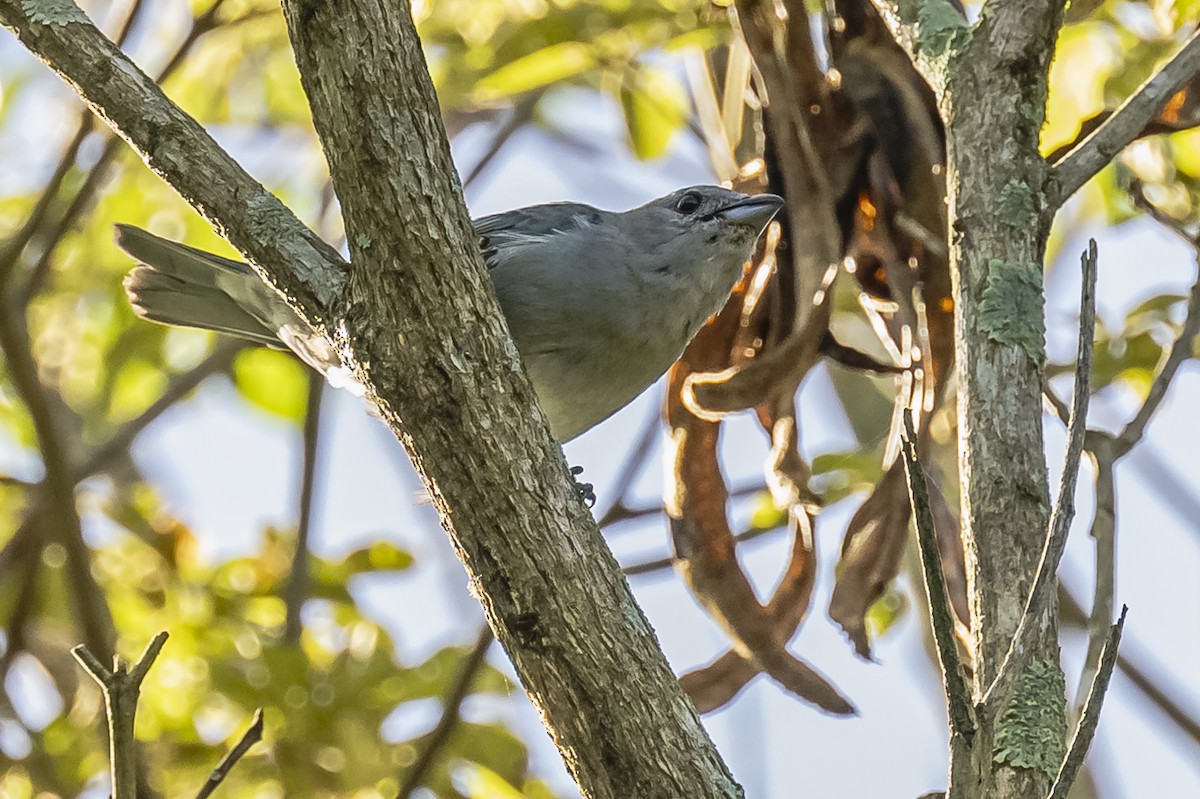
(958, 693)
(249, 738)
(1086, 728)
(177, 148)
(1181, 351)
(15, 244)
(1126, 123)
(470, 420)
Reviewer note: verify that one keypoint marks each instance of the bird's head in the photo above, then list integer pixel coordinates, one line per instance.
(703, 227)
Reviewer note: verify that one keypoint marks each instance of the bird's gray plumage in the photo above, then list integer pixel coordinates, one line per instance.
(600, 303)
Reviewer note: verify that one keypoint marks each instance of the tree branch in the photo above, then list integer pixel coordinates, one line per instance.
(1099, 149)
(96, 173)
(1045, 584)
(469, 414)
(180, 386)
(1181, 350)
(1091, 714)
(252, 736)
(651, 566)
(458, 398)
(958, 694)
(121, 687)
(177, 148)
(432, 744)
(297, 585)
(16, 243)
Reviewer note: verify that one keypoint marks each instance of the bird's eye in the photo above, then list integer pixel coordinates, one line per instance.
(688, 203)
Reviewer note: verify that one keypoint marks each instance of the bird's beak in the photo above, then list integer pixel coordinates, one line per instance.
(753, 211)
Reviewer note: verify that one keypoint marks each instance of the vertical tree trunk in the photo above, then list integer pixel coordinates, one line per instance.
(993, 103)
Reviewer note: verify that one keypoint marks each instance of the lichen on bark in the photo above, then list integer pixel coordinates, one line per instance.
(1010, 312)
(1032, 732)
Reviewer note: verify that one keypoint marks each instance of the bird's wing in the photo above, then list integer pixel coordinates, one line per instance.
(528, 225)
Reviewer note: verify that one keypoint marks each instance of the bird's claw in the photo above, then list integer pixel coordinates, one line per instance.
(586, 491)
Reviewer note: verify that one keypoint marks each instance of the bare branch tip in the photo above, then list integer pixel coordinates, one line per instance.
(1085, 731)
(139, 670)
(91, 664)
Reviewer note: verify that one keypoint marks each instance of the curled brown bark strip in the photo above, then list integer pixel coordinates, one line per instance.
(716, 684)
(705, 547)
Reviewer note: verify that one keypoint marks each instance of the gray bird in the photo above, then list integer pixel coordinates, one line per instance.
(600, 303)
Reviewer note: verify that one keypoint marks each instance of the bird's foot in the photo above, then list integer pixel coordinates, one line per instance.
(586, 491)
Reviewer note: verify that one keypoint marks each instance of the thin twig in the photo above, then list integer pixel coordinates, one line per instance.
(121, 687)
(1057, 404)
(10, 256)
(1181, 350)
(179, 387)
(252, 736)
(650, 566)
(1103, 532)
(931, 241)
(1097, 150)
(522, 112)
(958, 694)
(619, 513)
(632, 467)
(94, 179)
(1045, 583)
(1091, 713)
(289, 255)
(432, 745)
(297, 587)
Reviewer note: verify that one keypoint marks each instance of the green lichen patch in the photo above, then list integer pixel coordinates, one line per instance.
(1016, 204)
(939, 25)
(53, 12)
(1010, 311)
(1033, 727)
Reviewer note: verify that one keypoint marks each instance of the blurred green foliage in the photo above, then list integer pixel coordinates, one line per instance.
(327, 699)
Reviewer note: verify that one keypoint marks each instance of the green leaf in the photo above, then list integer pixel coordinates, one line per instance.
(765, 515)
(541, 68)
(655, 107)
(837, 475)
(272, 381)
(480, 782)
(380, 556)
(885, 612)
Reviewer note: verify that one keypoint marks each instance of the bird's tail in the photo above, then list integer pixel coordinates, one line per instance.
(180, 285)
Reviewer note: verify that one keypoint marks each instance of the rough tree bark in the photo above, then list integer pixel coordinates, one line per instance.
(415, 316)
(995, 189)
(991, 81)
